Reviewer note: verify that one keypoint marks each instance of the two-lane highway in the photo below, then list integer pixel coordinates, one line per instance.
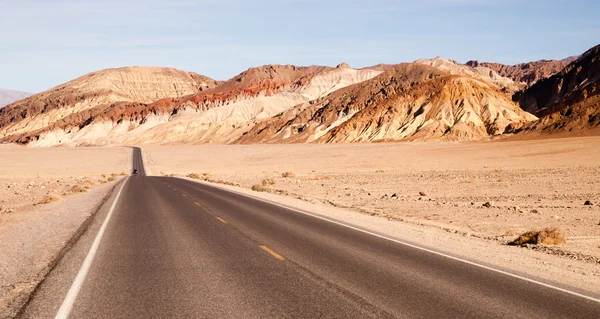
(173, 248)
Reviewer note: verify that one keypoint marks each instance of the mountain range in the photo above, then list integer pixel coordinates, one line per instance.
(430, 99)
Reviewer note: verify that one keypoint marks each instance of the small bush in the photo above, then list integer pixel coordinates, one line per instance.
(78, 189)
(102, 181)
(548, 236)
(259, 188)
(268, 181)
(88, 182)
(288, 175)
(111, 178)
(49, 199)
(194, 176)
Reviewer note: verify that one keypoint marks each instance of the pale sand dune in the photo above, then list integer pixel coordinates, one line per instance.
(532, 184)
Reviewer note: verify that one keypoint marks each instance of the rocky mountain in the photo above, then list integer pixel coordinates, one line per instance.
(434, 99)
(528, 73)
(10, 96)
(409, 102)
(567, 101)
(208, 111)
(72, 103)
(477, 71)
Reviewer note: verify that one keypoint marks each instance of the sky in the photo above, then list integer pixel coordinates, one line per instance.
(44, 43)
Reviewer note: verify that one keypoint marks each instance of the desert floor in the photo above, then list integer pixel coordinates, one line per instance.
(530, 185)
(29, 176)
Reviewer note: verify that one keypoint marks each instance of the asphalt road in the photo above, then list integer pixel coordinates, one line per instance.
(173, 248)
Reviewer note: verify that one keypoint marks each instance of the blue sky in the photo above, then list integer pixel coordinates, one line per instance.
(47, 42)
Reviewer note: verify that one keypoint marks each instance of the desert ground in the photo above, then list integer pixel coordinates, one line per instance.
(491, 190)
(30, 176)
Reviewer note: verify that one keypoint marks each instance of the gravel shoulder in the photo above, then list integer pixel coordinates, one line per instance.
(32, 241)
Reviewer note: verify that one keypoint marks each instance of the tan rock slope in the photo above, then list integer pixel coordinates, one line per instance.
(568, 101)
(528, 73)
(10, 96)
(73, 103)
(477, 71)
(210, 112)
(409, 102)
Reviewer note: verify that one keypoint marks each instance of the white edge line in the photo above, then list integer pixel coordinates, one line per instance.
(69, 301)
(409, 245)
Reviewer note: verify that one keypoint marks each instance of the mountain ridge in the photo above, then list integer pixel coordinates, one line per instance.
(567, 101)
(529, 72)
(410, 102)
(429, 99)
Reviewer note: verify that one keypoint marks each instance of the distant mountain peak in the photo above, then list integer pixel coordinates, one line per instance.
(9, 96)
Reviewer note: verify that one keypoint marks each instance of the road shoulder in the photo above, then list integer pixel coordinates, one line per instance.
(32, 242)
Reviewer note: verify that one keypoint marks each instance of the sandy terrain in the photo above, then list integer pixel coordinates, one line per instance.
(29, 175)
(529, 184)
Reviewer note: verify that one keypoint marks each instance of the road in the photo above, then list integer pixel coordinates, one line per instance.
(173, 248)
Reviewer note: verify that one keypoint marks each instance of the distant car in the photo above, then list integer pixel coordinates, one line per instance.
(135, 171)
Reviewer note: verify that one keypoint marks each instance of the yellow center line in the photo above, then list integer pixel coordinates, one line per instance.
(197, 204)
(184, 195)
(221, 220)
(274, 254)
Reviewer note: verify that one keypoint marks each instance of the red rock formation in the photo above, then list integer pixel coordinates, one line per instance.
(410, 101)
(106, 96)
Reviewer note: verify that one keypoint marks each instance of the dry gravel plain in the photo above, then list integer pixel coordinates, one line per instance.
(529, 185)
(30, 175)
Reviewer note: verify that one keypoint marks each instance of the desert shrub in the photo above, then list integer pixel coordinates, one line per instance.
(88, 182)
(321, 178)
(547, 236)
(259, 188)
(49, 199)
(78, 189)
(288, 175)
(102, 181)
(194, 176)
(268, 181)
(111, 178)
